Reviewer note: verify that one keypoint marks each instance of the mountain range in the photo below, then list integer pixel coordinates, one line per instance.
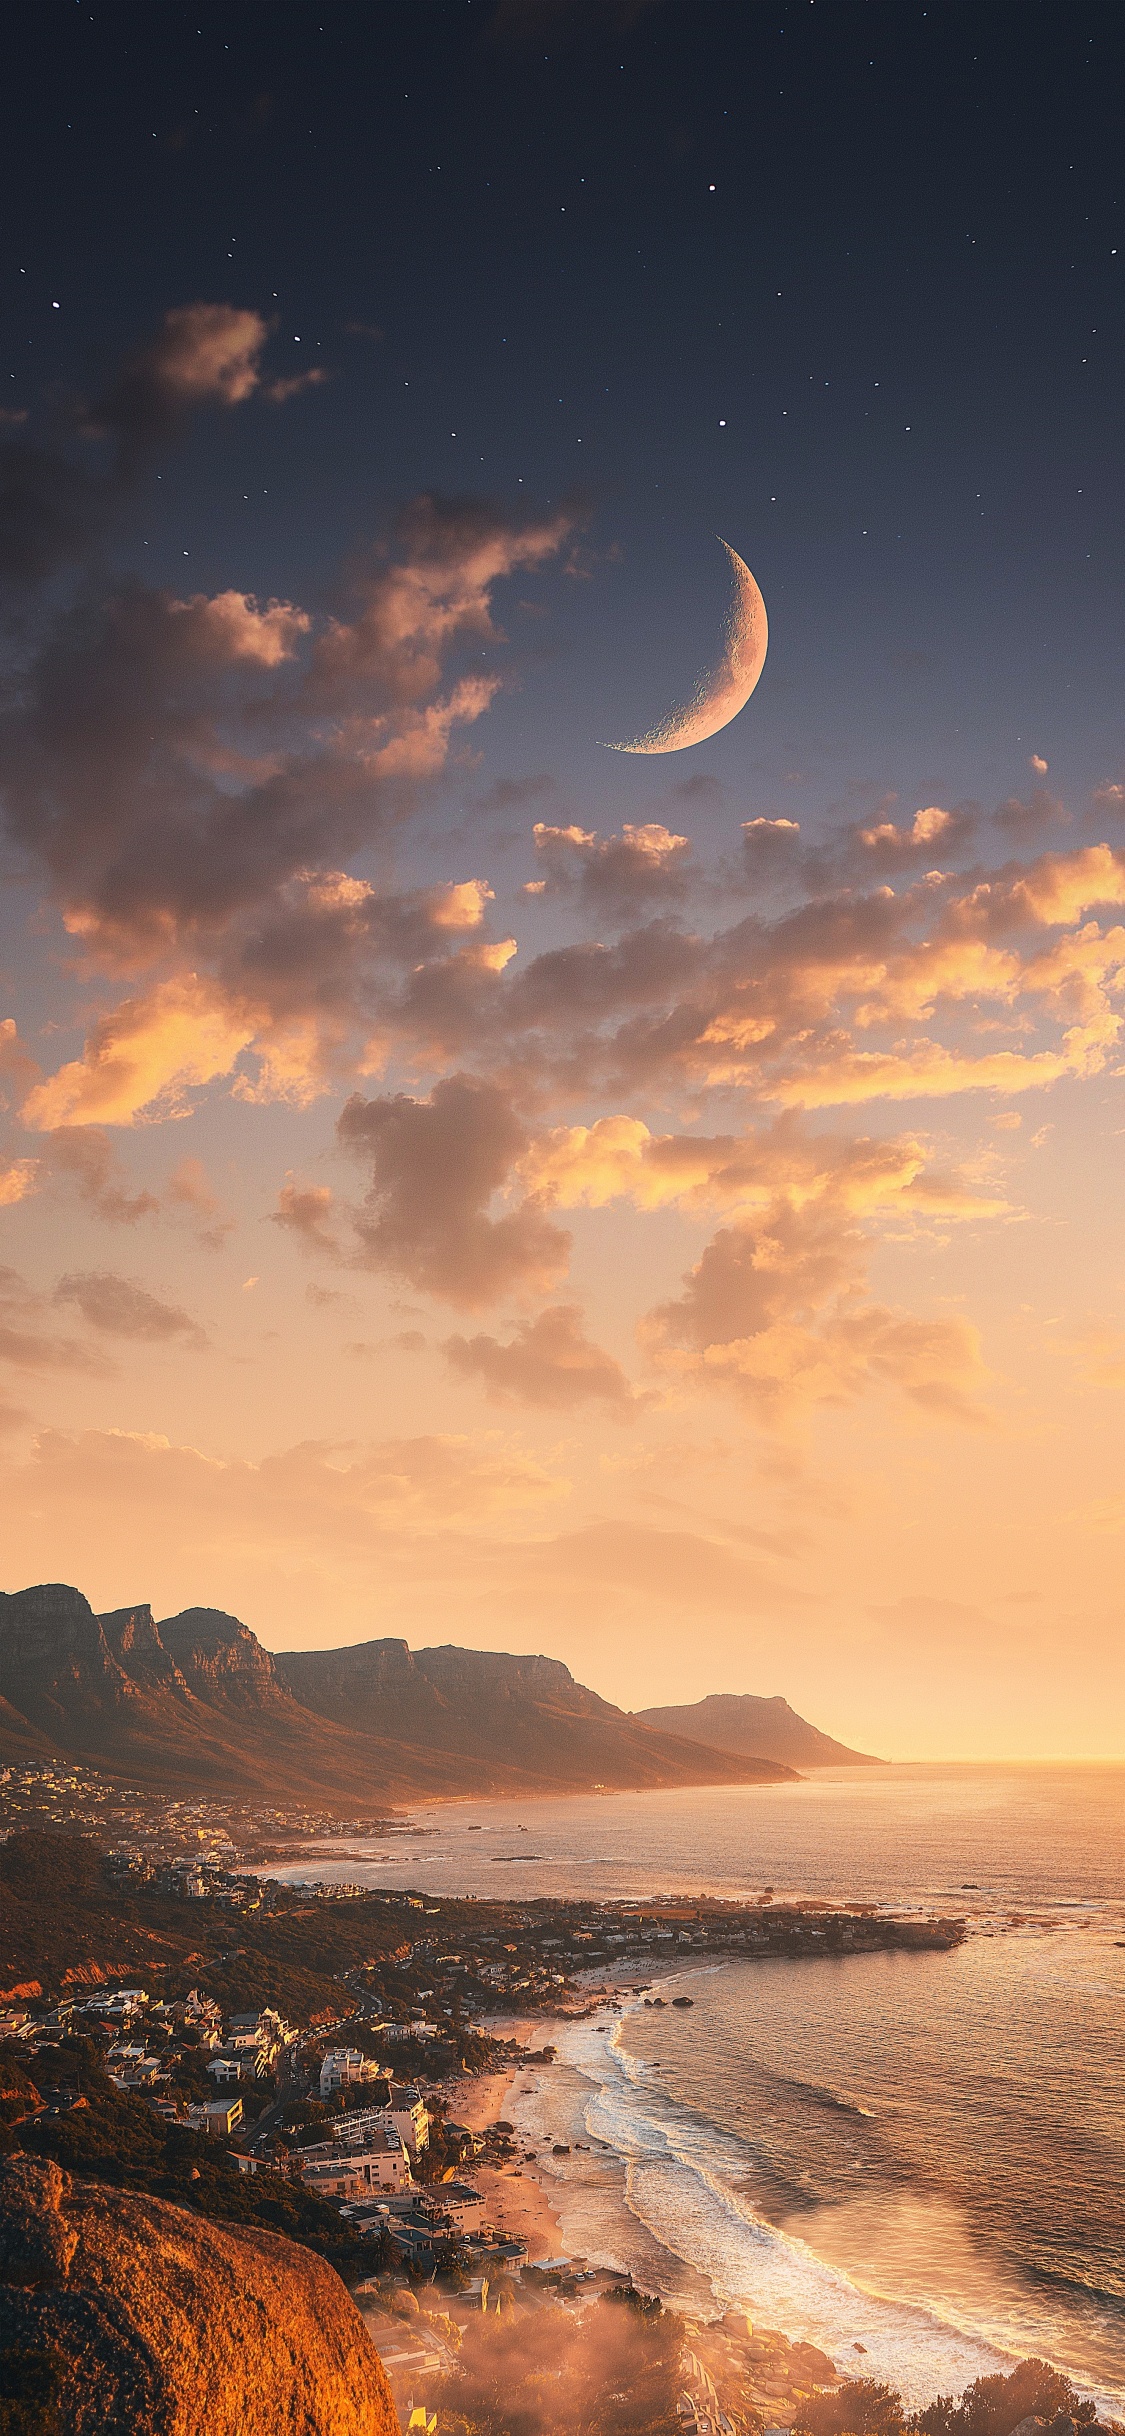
(744, 1723)
(195, 1704)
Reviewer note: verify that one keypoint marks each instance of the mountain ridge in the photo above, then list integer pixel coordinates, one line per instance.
(196, 1702)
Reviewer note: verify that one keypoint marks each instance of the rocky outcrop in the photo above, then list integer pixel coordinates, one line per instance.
(154, 2322)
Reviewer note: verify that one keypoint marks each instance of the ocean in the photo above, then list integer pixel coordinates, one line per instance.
(917, 2160)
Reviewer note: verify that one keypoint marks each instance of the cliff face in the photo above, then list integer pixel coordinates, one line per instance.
(157, 2323)
(506, 1722)
(196, 1702)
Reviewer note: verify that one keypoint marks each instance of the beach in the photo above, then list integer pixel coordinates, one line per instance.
(518, 2197)
(631, 2175)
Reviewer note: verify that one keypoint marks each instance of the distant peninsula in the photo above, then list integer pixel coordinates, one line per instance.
(742, 1722)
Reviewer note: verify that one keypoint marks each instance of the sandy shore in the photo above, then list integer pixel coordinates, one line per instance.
(516, 2201)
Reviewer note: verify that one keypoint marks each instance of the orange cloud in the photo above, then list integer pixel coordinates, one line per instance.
(617, 1158)
(144, 1056)
(17, 1179)
(774, 1314)
(231, 627)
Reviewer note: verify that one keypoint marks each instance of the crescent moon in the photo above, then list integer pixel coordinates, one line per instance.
(723, 690)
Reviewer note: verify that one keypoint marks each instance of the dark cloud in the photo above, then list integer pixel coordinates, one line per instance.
(119, 1307)
(623, 876)
(53, 501)
(550, 1362)
(512, 794)
(192, 774)
(49, 508)
(1028, 817)
(84, 1156)
(26, 1338)
(436, 1167)
(202, 355)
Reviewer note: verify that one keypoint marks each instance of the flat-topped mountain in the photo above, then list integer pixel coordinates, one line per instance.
(196, 1703)
(753, 1727)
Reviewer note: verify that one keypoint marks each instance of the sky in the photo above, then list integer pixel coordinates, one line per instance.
(458, 1181)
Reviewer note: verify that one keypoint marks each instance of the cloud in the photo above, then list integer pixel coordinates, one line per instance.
(119, 1307)
(339, 1501)
(886, 842)
(941, 988)
(188, 1188)
(618, 1158)
(280, 391)
(18, 1178)
(52, 503)
(145, 1056)
(84, 1156)
(27, 1339)
(775, 1315)
(646, 864)
(231, 627)
(436, 1167)
(202, 355)
(1024, 817)
(1062, 887)
(452, 554)
(303, 1211)
(48, 509)
(1099, 1355)
(771, 850)
(192, 776)
(550, 1362)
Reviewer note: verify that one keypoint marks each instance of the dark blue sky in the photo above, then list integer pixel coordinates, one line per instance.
(837, 280)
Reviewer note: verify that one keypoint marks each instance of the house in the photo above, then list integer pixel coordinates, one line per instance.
(224, 2068)
(462, 2204)
(198, 2009)
(333, 2178)
(218, 2117)
(345, 2068)
(379, 2161)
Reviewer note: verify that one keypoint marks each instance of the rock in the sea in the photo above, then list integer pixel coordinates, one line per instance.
(155, 2322)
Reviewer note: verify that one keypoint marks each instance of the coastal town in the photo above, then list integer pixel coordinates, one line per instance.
(345, 2064)
(337, 2060)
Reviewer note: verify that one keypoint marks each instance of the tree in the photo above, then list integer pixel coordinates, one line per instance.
(859, 2407)
(994, 2406)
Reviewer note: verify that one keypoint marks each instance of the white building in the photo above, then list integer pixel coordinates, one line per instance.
(343, 2172)
(346, 2068)
(408, 2117)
